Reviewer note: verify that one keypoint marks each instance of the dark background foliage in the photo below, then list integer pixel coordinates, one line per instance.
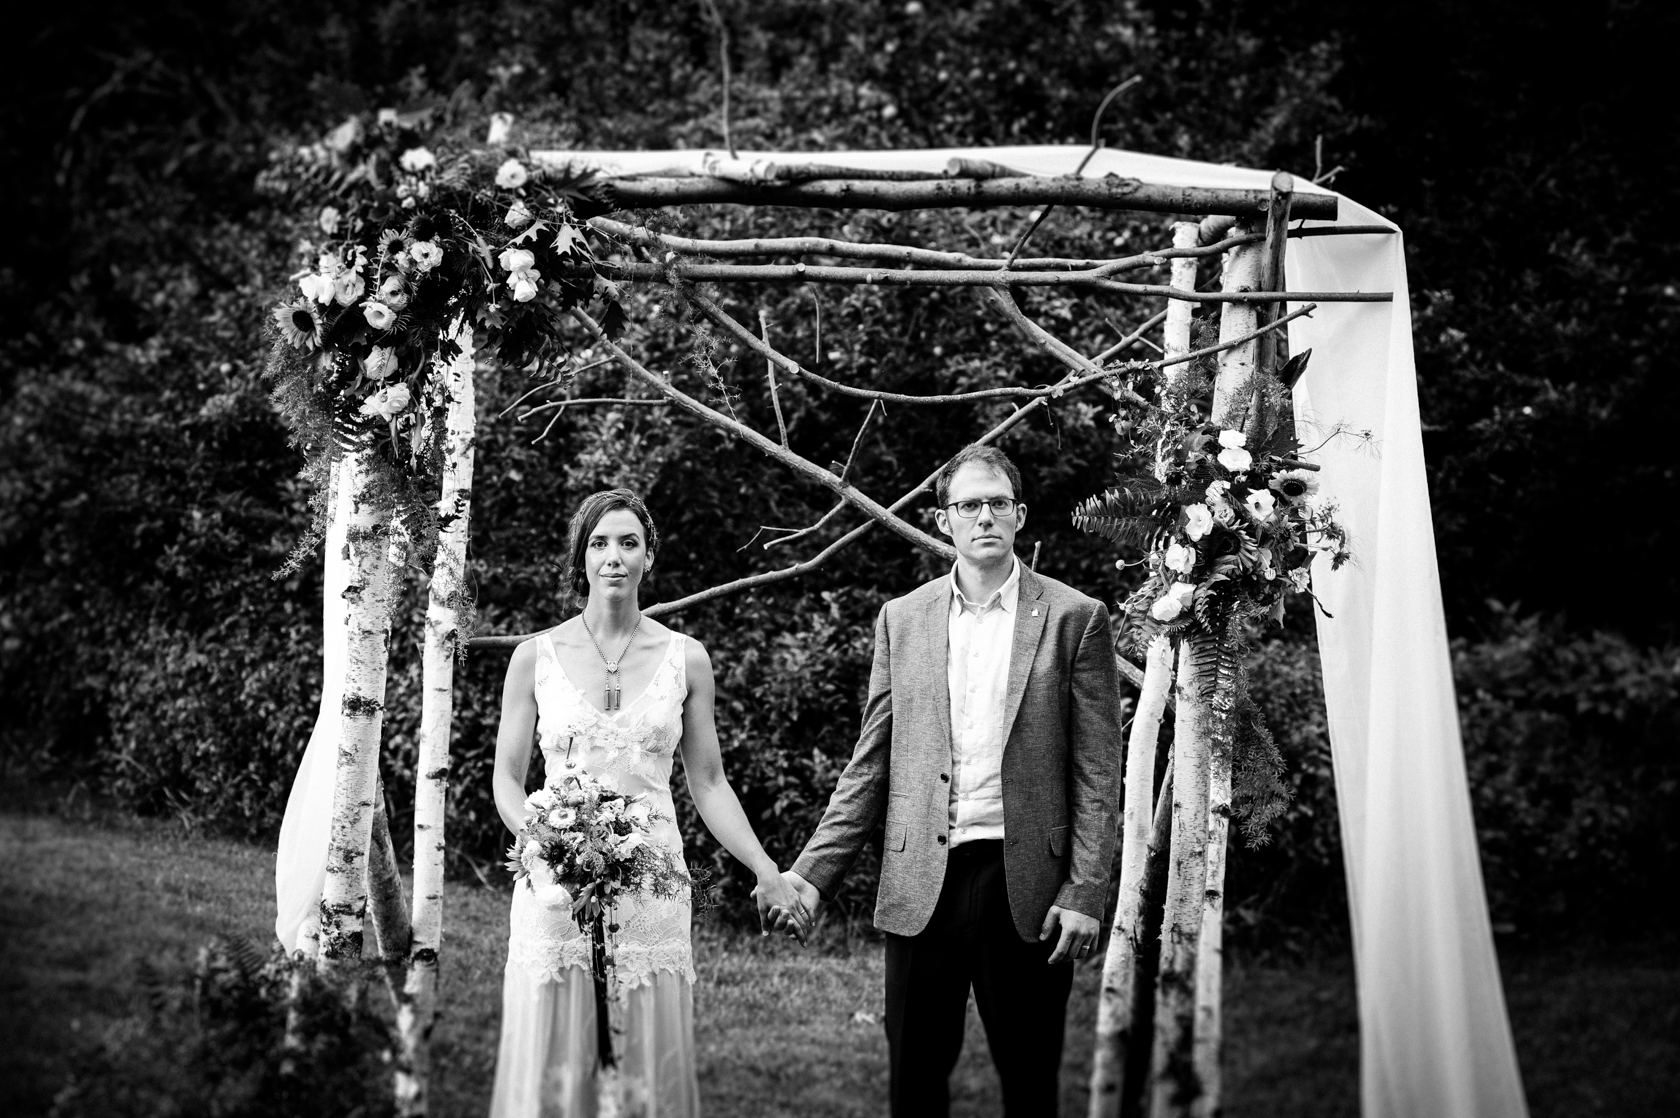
(147, 492)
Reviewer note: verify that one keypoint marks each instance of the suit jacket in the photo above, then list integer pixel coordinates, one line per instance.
(1060, 760)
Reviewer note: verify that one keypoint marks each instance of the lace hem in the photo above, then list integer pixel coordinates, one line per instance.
(636, 964)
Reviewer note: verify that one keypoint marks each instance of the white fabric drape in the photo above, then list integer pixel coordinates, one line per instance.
(300, 862)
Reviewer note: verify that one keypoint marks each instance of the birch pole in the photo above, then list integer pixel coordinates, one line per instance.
(417, 1006)
(1117, 1002)
(1172, 1085)
(1234, 394)
(368, 621)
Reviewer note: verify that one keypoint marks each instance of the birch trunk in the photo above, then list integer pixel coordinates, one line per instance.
(368, 620)
(1148, 960)
(417, 1007)
(1172, 1076)
(386, 903)
(1210, 951)
(1198, 1056)
(1125, 1002)
(1236, 365)
(1116, 1003)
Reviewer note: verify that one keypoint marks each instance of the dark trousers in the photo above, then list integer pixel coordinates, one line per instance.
(971, 940)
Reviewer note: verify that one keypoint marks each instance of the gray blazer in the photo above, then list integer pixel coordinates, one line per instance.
(1060, 760)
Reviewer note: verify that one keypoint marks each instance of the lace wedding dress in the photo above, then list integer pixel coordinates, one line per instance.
(547, 1065)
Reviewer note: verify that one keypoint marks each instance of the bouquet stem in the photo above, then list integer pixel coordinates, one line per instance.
(598, 970)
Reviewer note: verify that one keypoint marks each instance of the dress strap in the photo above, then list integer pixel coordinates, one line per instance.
(553, 654)
(679, 650)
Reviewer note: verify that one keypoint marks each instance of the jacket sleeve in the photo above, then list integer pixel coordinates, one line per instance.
(1093, 767)
(860, 797)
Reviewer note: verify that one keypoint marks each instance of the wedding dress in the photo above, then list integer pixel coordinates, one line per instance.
(547, 1065)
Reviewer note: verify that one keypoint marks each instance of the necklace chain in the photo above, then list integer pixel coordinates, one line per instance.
(614, 694)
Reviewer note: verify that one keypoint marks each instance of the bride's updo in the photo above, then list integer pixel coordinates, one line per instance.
(589, 514)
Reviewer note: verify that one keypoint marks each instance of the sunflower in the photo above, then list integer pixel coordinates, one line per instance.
(1295, 485)
(298, 324)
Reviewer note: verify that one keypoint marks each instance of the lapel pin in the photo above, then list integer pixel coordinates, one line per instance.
(1035, 612)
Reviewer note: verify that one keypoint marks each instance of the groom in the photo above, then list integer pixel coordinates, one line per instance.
(988, 746)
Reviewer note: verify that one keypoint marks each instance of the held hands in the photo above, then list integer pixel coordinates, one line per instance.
(1078, 933)
(780, 907)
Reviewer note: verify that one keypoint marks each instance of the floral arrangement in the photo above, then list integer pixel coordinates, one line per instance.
(410, 250)
(585, 845)
(1229, 519)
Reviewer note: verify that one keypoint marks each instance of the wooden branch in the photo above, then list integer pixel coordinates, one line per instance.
(665, 609)
(1093, 279)
(851, 250)
(809, 529)
(1108, 193)
(770, 373)
(1130, 339)
(1234, 342)
(718, 315)
(858, 441)
(1339, 230)
(782, 454)
(637, 402)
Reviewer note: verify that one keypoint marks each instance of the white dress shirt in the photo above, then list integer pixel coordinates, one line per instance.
(982, 636)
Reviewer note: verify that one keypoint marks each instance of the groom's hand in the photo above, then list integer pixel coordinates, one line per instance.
(809, 897)
(1078, 933)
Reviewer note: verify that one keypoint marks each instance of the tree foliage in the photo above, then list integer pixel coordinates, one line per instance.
(147, 493)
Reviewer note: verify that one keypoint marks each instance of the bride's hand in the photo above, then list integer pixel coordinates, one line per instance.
(779, 907)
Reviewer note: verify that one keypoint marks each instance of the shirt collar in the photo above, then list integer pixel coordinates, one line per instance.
(1005, 596)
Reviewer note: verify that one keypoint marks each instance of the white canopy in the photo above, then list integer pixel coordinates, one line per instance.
(1434, 1039)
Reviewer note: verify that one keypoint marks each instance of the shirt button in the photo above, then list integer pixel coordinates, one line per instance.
(945, 777)
(940, 840)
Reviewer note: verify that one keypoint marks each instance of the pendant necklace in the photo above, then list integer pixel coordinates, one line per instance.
(615, 694)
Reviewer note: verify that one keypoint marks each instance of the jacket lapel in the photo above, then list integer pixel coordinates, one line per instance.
(1030, 616)
(939, 659)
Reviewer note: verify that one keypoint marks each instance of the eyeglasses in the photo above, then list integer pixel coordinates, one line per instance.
(1000, 506)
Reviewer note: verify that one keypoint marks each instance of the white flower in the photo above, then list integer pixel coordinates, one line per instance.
(518, 217)
(317, 287)
(1175, 601)
(425, 254)
(1231, 439)
(1198, 521)
(525, 285)
(1260, 504)
(1224, 513)
(378, 315)
(417, 160)
(1299, 578)
(329, 220)
(348, 287)
(511, 175)
(640, 814)
(1180, 558)
(381, 362)
(389, 402)
(1295, 485)
(1266, 568)
(516, 260)
(1217, 489)
(1235, 459)
(329, 264)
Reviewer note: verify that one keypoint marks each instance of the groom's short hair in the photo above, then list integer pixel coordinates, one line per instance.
(988, 456)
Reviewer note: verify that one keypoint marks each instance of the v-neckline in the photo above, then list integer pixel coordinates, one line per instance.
(583, 698)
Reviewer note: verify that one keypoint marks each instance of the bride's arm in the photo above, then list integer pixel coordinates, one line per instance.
(513, 738)
(716, 800)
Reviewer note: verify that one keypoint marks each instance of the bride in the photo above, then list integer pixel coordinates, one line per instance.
(617, 693)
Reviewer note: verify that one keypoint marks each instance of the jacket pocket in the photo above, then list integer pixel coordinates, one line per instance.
(896, 836)
(1058, 841)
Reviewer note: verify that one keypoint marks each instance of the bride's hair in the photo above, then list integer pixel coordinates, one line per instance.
(589, 514)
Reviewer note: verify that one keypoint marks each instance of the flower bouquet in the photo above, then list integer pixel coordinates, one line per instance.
(584, 845)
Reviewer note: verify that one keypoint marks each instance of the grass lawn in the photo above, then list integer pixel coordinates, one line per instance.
(780, 1031)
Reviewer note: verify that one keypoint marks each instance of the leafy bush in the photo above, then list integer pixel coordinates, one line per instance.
(216, 1046)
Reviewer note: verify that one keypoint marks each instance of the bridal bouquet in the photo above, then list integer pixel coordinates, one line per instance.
(586, 844)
